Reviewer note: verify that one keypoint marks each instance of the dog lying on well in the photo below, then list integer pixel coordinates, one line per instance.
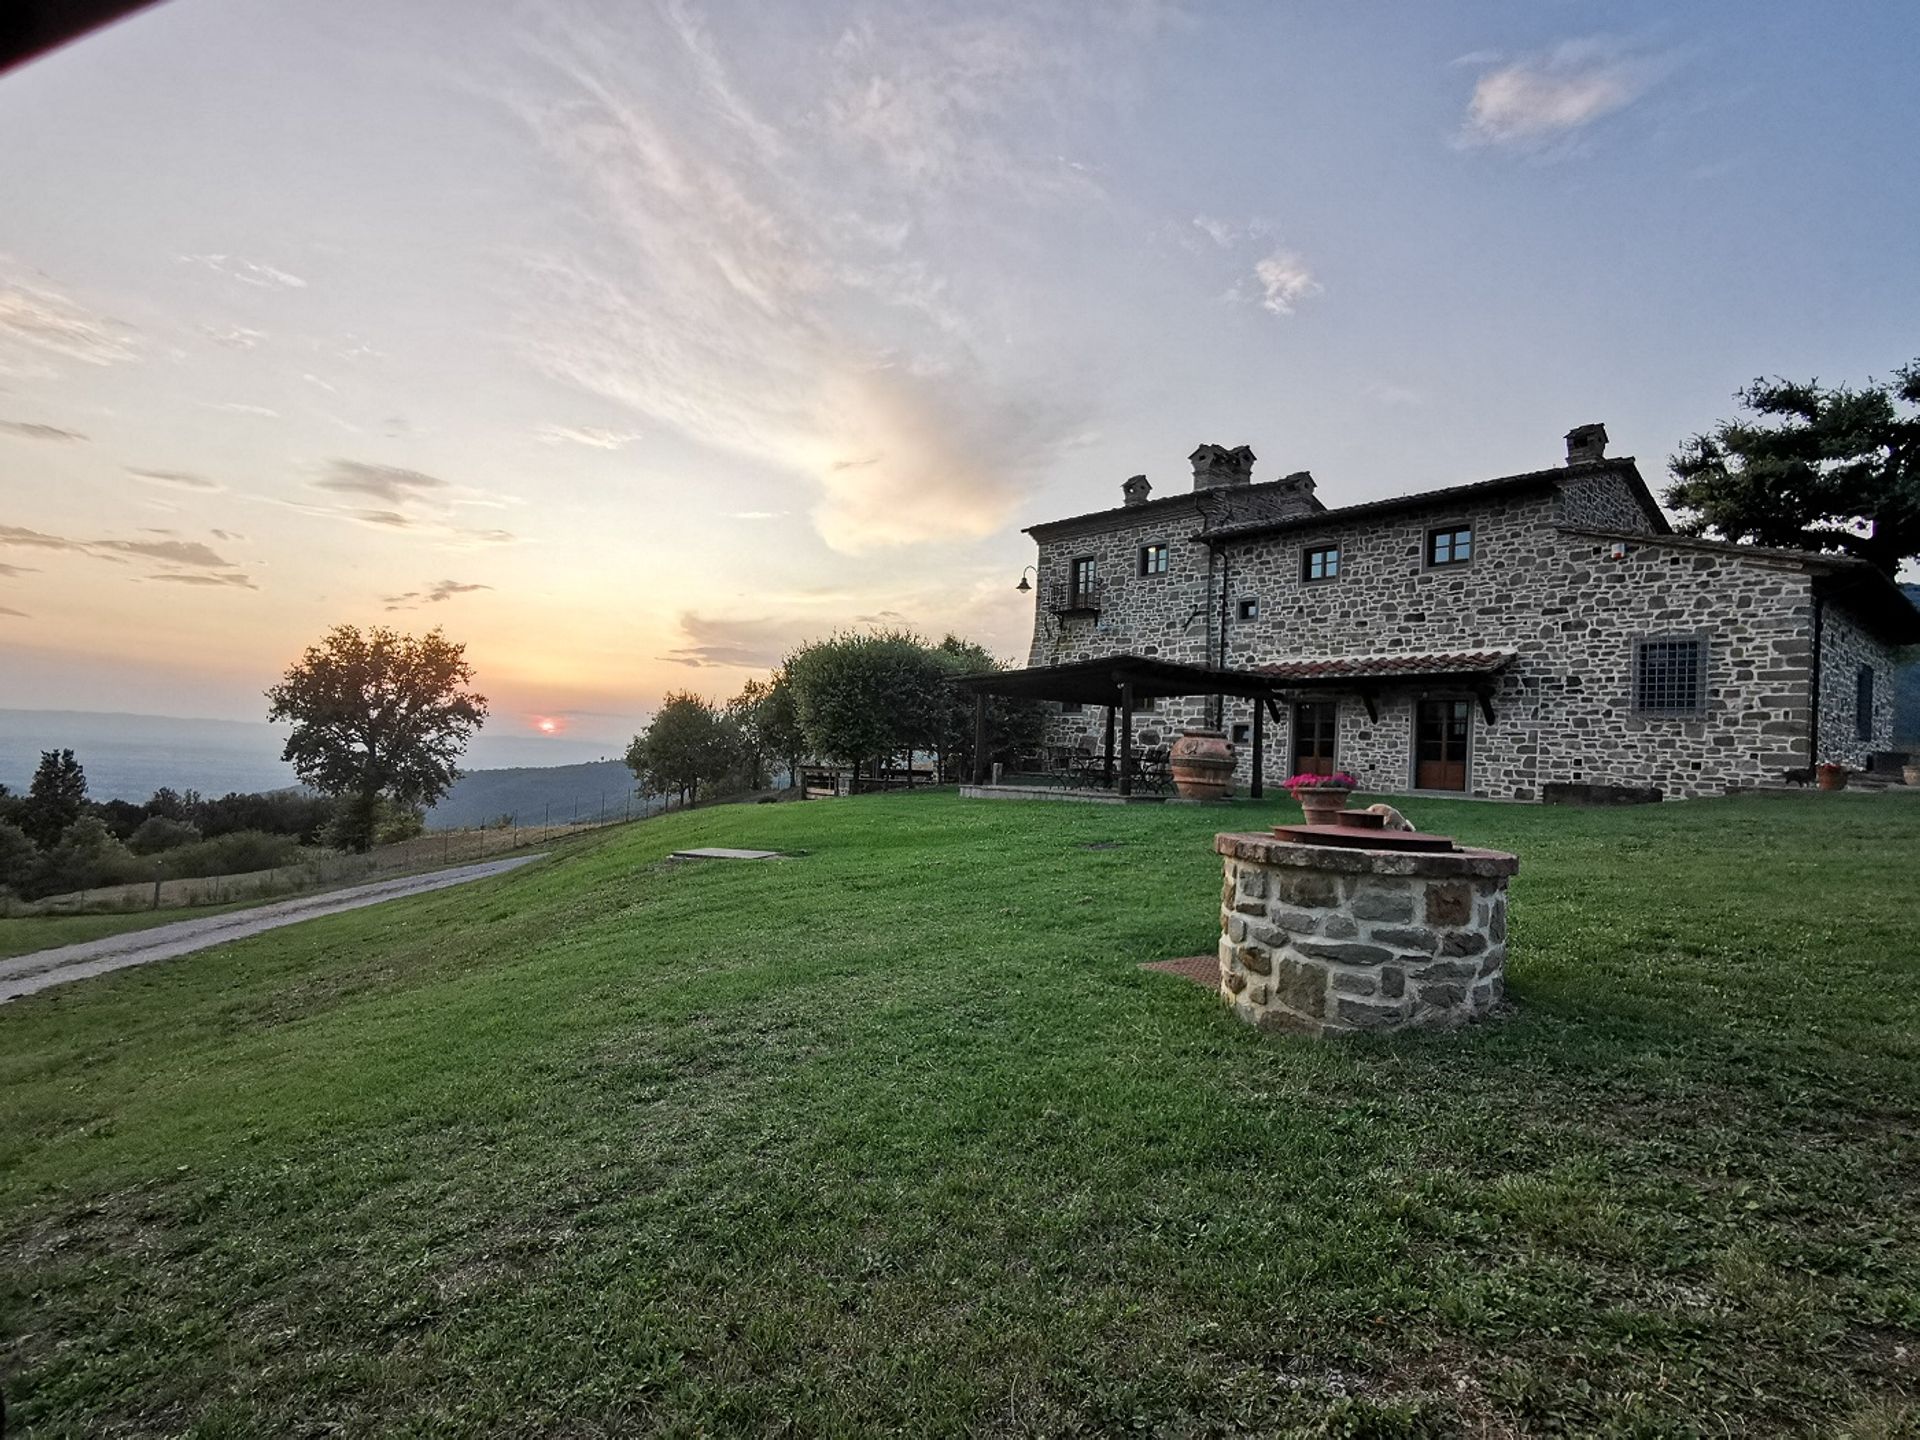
(1395, 820)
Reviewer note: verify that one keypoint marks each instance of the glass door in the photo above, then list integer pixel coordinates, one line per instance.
(1440, 744)
(1314, 725)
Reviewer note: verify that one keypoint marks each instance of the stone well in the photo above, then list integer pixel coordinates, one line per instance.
(1324, 941)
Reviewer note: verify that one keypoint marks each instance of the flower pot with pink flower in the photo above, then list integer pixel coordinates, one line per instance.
(1322, 797)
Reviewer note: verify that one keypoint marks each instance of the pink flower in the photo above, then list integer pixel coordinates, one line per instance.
(1339, 780)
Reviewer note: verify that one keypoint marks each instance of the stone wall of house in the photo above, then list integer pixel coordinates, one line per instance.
(1605, 500)
(1564, 708)
(1323, 941)
(1845, 648)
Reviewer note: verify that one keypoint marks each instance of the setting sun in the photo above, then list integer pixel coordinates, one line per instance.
(547, 727)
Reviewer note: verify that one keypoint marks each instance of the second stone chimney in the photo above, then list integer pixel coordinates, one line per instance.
(1215, 467)
(1136, 489)
(1586, 444)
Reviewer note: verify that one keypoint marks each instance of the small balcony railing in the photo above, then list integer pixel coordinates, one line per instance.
(1067, 598)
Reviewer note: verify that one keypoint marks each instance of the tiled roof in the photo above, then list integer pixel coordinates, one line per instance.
(1389, 667)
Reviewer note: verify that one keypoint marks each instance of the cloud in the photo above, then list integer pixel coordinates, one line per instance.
(434, 594)
(28, 430)
(589, 435)
(38, 323)
(234, 337)
(175, 479)
(733, 644)
(1284, 281)
(791, 286)
(9, 611)
(36, 539)
(233, 579)
(178, 552)
(10, 571)
(382, 482)
(1536, 100)
(247, 272)
(235, 407)
(755, 514)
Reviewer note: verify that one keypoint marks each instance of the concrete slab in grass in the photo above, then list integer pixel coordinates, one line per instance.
(721, 852)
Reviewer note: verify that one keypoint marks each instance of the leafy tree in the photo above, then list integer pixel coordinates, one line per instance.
(1014, 727)
(862, 697)
(687, 742)
(18, 858)
(378, 715)
(769, 724)
(86, 856)
(55, 798)
(157, 833)
(1818, 469)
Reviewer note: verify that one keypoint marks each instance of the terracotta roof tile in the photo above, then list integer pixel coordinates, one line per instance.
(1389, 667)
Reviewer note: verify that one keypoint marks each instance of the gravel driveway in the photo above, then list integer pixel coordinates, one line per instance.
(24, 974)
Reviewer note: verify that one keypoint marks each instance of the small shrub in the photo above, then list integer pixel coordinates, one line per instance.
(157, 833)
(232, 854)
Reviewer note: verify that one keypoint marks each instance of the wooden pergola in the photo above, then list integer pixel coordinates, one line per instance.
(1119, 683)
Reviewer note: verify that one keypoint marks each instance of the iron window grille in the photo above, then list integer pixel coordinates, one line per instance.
(1451, 545)
(1670, 676)
(1153, 559)
(1320, 562)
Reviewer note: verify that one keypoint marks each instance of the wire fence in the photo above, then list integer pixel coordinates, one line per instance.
(326, 869)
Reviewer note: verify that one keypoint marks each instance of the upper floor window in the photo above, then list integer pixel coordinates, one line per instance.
(1153, 559)
(1320, 562)
(1670, 675)
(1450, 545)
(1863, 704)
(1248, 608)
(1085, 579)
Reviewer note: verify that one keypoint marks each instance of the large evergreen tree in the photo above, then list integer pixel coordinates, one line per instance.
(54, 799)
(1817, 468)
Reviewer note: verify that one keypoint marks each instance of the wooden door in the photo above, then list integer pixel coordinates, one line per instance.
(1314, 725)
(1440, 744)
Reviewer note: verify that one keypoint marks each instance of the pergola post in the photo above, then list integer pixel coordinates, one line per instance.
(1126, 737)
(979, 738)
(1108, 767)
(1258, 788)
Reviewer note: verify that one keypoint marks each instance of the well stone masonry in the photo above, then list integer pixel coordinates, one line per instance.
(1319, 940)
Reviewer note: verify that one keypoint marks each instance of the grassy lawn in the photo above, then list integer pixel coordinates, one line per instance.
(895, 1137)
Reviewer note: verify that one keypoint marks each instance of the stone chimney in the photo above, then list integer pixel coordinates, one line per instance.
(1136, 489)
(1586, 444)
(1215, 467)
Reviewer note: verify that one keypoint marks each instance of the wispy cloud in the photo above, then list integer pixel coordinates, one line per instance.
(10, 571)
(591, 436)
(234, 337)
(12, 614)
(736, 644)
(1284, 281)
(175, 479)
(188, 558)
(28, 430)
(383, 482)
(237, 407)
(247, 272)
(232, 579)
(755, 514)
(434, 594)
(781, 284)
(1536, 101)
(38, 324)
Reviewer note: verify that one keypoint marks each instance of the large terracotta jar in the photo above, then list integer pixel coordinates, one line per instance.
(1831, 776)
(1202, 762)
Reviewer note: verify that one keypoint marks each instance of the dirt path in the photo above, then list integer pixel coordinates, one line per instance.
(24, 974)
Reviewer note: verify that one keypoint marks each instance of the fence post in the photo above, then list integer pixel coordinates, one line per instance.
(156, 885)
(545, 821)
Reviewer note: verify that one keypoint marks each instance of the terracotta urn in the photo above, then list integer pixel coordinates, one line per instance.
(1322, 803)
(1202, 763)
(1831, 776)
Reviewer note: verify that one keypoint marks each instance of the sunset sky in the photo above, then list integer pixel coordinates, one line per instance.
(634, 343)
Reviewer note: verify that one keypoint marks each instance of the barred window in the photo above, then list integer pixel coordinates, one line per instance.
(1670, 676)
(1153, 559)
(1863, 704)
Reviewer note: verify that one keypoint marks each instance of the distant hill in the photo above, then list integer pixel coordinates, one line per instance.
(564, 792)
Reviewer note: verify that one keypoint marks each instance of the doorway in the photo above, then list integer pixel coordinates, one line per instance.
(1440, 733)
(1315, 723)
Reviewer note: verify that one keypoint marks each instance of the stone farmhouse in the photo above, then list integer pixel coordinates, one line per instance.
(1490, 638)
